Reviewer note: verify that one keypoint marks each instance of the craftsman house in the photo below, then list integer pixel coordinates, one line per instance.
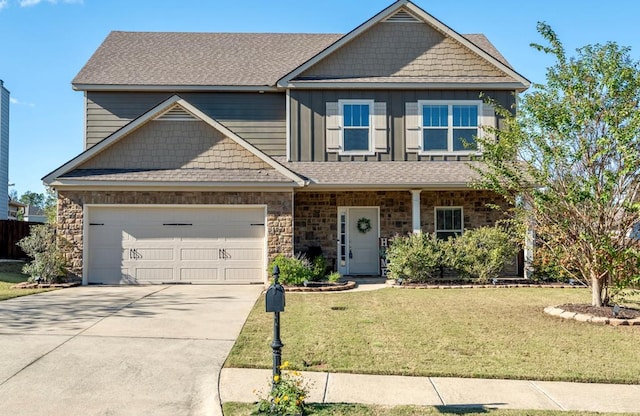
(207, 154)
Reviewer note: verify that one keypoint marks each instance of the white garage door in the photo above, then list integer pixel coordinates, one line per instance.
(175, 244)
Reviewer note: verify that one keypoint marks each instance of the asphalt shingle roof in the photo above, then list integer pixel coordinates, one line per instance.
(221, 59)
(386, 174)
(210, 59)
(177, 175)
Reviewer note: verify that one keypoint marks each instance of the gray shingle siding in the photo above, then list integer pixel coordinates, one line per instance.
(258, 118)
(308, 109)
(4, 152)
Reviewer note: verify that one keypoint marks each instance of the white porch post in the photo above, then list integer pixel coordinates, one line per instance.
(415, 206)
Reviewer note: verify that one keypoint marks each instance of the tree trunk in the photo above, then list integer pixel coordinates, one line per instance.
(596, 291)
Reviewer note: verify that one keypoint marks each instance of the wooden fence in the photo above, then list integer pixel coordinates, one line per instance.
(11, 232)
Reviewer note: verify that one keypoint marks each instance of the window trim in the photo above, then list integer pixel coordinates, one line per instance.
(448, 208)
(370, 151)
(450, 128)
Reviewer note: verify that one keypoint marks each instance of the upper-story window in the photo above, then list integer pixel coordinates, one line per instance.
(356, 127)
(356, 122)
(449, 127)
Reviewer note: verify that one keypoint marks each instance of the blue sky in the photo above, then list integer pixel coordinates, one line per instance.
(45, 43)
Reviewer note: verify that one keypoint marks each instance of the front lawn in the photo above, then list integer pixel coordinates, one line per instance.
(244, 409)
(10, 274)
(483, 333)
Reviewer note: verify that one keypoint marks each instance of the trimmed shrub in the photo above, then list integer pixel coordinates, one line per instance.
(293, 270)
(415, 258)
(481, 253)
(48, 264)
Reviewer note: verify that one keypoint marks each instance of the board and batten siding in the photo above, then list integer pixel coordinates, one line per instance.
(308, 109)
(258, 118)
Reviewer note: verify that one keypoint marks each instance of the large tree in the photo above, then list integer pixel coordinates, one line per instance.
(569, 163)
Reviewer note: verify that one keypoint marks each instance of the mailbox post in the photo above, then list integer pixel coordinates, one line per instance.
(275, 303)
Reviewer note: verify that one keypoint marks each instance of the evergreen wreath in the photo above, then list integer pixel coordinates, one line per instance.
(364, 225)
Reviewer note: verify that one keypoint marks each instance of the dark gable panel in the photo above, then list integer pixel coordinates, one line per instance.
(309, 106)
(258, 118)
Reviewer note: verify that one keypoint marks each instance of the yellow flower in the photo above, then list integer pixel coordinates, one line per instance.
(285, 398)
(276, 378)
(284, 365)
(276, 400)
(301, 398)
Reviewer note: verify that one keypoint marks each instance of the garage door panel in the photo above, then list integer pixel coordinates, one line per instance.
(154, 274)
(153, 245)
(199, 275)
(200, 254)
(247, 275)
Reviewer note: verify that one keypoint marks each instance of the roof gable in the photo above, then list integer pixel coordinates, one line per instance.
(406, 42)
(149, 143)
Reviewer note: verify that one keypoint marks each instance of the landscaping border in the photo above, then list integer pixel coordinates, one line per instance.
(581, 317)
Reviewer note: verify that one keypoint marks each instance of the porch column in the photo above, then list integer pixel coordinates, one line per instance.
(415, 206)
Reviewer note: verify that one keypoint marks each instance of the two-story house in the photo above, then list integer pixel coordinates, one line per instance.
(207, 154)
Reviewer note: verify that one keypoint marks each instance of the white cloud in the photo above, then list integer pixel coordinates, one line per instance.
(29, 3)
(15, 101)
(3, 4)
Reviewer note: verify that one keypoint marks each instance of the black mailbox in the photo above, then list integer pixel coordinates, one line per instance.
(275, 294)
(275, 298)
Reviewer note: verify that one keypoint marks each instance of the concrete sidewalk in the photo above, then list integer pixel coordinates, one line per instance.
(240, 385)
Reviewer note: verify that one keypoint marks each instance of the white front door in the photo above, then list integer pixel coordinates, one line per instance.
(358, 252)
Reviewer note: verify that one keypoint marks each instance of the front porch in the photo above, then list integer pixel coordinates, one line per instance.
(327, 221)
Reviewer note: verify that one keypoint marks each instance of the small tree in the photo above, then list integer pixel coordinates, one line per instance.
(569, 163)
(47, 261)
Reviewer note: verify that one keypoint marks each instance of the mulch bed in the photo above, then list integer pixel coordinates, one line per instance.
(603, 312)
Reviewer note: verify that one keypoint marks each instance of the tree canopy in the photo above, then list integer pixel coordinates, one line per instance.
(569, 163)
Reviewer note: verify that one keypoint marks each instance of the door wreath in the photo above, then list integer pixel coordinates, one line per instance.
(364, 225)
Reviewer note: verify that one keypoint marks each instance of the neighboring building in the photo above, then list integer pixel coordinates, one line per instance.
(34, 214)
(207, 154)
(16, 210)
(4, 151)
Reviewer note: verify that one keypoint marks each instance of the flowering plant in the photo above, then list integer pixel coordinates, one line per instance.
(287, 396)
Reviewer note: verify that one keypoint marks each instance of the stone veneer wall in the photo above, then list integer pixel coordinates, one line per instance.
(70, 214)
(316, 213)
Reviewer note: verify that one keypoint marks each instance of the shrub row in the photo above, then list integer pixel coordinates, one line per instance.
(479, 254)
(295, 271)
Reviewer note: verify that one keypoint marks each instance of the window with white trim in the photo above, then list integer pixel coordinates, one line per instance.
(356, 125)
(449, 222)
(449, 127)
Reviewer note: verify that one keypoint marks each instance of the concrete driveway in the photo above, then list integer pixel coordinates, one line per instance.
(132, 350)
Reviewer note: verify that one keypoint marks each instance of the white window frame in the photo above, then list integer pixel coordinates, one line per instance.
(369, 151)
(448, 208)
(450, 128)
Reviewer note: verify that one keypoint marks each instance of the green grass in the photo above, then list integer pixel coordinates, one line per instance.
(10, 274)
(482, 333)
(244, 409)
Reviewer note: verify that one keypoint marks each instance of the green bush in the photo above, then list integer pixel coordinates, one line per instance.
(415, 258)
(333, 277)
(293, 270)
(481, 253)
(47, 261)
(318, 269)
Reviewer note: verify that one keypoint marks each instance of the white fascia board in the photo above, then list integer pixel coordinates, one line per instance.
(386, 187)
(511, 86)
(248, 146)
(89, 153)
(175, 88)
(88, 185)
(284, 81)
